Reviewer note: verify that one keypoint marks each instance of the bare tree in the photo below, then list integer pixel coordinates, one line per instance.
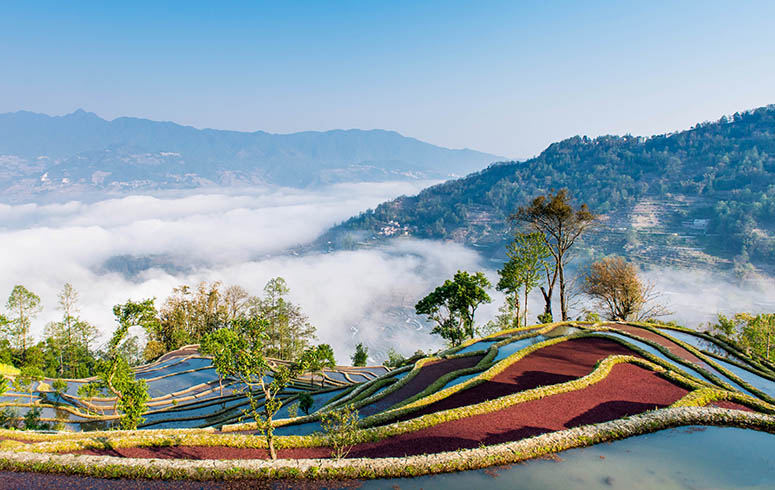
(620, 293)
(560, 225)
(236, 299)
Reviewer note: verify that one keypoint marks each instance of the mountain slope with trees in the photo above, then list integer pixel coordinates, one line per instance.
(702, 195)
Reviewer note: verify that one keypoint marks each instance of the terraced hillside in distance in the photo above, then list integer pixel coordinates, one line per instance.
(185, 391)
(509, 397)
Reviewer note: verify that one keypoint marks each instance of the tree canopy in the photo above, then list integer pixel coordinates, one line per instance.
(241, 356)
(452, 305)
(620, 293)
(522, 272)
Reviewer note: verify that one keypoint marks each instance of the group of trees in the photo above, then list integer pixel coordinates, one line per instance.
(755, 334)
(67, 348)
(538, 256)
(191, 313)
(66, 351)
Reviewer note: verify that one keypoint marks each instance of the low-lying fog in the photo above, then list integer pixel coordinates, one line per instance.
(237, 238)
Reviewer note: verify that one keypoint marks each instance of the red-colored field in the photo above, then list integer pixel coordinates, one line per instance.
(731, 405)
(554, 364)
(671, 346)
(626, 391)
(427, 375)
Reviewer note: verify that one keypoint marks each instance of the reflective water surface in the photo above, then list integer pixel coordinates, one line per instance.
(683, 458)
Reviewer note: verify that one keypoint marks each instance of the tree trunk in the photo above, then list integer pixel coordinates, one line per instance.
(563, 303)
(547, 300)
(524, 313)
(551, 279)
(270, 439)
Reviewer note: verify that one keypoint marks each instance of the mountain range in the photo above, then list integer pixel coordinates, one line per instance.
(81, 152)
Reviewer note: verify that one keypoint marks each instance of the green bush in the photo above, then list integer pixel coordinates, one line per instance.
(32, 420)
(545, 318)
(341, 427)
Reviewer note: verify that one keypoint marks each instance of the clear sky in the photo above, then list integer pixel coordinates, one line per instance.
(503, 77)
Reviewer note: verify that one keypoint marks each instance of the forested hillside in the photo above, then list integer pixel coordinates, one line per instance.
(706, 194)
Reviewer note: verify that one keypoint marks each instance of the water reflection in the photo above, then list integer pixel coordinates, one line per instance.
(684, 458)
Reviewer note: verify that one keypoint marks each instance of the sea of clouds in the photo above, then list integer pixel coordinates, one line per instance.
(237, 237)
(240, 237)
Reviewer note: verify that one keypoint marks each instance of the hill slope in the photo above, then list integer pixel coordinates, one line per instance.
(704, 195)
(40, 152)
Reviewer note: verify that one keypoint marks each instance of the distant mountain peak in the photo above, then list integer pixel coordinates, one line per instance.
(81, 113)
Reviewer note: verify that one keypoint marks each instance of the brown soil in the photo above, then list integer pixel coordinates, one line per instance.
(627, 390)
(671, 346)
(50, 481)
(731, 405)
(554, 364)
(17, 439)
(427, 375)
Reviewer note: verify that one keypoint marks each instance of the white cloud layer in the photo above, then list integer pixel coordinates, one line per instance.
(698, 296)
(237, 237)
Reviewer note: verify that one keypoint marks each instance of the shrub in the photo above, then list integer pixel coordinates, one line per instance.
(32, 420)
(305, 402)
(293, 410)
(394, 359)
(361, 355)
(341, 427)
(8, 419)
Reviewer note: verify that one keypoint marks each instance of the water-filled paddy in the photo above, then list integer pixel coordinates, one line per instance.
(684, 458)
(651, 350)
(754, 380)
(178, 382)
(460, 379)
(481, 345)
(505, 351)
(173, 368)
(759, 382)
(693, 340)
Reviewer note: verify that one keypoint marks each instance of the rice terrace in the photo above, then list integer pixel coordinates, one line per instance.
(505, 398)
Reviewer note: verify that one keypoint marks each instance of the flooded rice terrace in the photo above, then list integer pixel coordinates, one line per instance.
(683, 458)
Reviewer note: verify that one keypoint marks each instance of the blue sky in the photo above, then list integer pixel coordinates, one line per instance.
(503, 77)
